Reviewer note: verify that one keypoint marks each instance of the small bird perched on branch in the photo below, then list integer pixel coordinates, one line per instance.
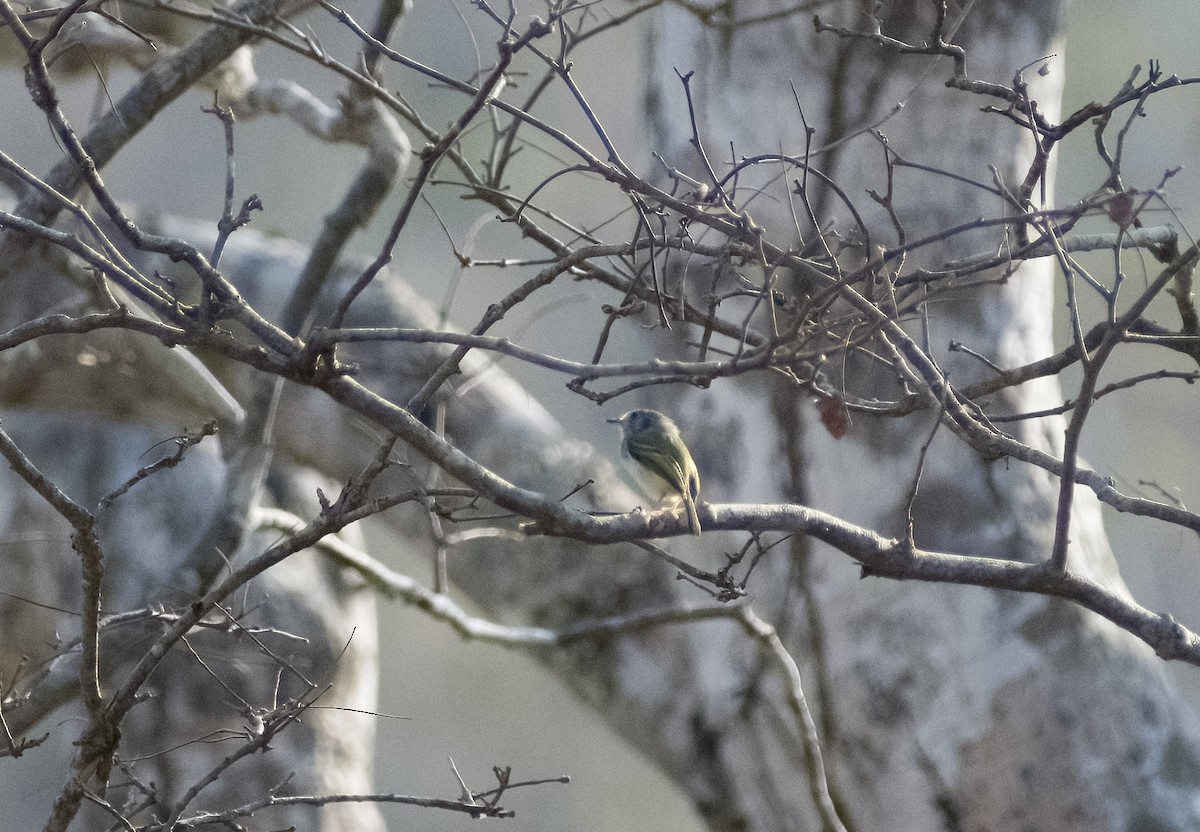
(661, 460)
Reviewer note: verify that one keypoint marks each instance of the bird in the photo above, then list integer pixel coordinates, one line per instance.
(662, 462)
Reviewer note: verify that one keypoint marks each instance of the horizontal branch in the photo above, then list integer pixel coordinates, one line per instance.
(891, 558)
(441, 607)
(1157, 238)
(751, 360)
(230, 817)
(60, 324)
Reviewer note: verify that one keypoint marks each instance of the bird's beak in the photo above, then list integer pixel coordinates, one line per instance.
(612, 421)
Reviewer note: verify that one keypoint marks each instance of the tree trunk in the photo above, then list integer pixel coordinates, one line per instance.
(89, 411)
(940, 706)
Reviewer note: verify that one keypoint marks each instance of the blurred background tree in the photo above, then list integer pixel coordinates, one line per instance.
(945, 706)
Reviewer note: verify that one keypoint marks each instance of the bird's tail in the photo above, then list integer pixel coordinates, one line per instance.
(693, 518)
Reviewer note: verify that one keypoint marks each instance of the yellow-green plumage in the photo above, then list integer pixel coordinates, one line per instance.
(663, 463)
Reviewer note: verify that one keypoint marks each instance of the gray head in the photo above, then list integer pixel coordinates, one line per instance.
(637, 421)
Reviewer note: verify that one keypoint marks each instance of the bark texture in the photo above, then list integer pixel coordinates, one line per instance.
(941, 707)
(89, 411)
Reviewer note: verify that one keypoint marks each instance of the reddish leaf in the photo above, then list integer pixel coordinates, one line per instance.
(834, 415)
